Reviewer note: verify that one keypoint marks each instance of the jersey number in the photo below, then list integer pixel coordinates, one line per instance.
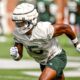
(35, 49)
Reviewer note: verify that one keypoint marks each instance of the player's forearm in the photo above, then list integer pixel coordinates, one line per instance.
(20, 49)
(69, 32)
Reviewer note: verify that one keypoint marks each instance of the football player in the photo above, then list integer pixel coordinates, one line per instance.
(39, 39)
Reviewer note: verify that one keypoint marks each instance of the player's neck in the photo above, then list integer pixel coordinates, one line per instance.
(29, 32)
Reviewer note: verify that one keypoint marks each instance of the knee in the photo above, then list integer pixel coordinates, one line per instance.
(44, 78)
(41, 78)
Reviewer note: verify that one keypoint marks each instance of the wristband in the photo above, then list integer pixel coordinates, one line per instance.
(75, 40)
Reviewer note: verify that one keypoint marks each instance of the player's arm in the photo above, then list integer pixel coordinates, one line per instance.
(60, 29)
(16, 51)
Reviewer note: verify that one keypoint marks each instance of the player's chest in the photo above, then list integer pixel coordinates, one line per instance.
(39, 42)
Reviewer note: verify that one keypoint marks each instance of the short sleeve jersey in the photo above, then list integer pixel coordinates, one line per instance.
(41, 45)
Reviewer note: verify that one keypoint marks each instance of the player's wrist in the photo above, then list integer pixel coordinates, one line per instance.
(76, 44)
(75, 41)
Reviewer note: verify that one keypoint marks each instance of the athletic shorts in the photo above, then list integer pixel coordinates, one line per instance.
(58, 63)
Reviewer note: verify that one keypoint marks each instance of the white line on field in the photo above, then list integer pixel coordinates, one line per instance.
(23, 64)
(66, 73)
(3, 39)
(28, 64)
(12, 77)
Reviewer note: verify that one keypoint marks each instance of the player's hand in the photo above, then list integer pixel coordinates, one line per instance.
(78, 47)
(14, 52)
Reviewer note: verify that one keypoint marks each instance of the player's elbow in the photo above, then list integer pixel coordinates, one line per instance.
(67, 29)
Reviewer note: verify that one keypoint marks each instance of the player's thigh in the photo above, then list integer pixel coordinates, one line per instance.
(58, 63)
(54, 67)
(48, 74)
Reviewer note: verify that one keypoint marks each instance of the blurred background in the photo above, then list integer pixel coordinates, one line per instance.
(55, 11)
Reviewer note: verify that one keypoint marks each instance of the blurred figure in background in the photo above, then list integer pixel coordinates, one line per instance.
(29, 1)
(66, 13)
(78, 18)
(60, 10)
(46, 9)
(1, 16)
(1, 26)
(72, 7)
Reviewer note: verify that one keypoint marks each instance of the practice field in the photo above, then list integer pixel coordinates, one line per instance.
(28, 69)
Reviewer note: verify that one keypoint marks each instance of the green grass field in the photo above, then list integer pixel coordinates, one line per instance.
(17, 74)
